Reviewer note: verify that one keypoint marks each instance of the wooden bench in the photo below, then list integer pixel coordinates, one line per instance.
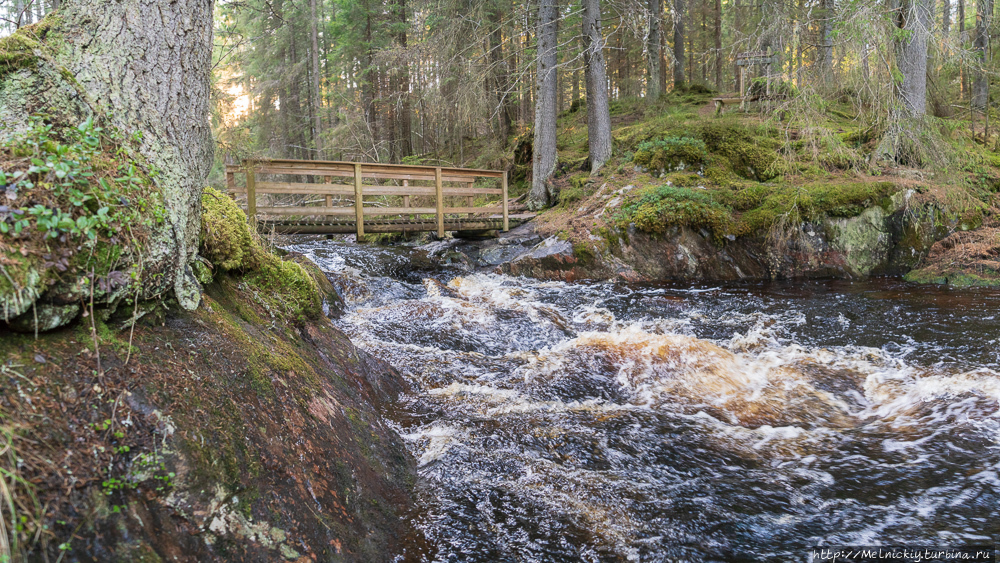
(720, 102)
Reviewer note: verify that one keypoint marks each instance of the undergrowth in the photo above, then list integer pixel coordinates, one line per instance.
(76, 202)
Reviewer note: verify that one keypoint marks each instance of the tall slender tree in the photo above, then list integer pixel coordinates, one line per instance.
(824, 52)
(315, 95)
(598, 112)
(914, 18)
(544, 150)
(678, 18)
(653, 53)
(980, 46)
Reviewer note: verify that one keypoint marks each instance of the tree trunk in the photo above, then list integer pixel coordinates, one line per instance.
(163, 95)
(653, 49)
(914, 16)
(500, 76)
(980, 47)
(824, 52)
(598, 113)
(678, 17)
(403, 124)
(316, 105)
(946, 23)
(718, 45)
(367, 78)
(962, 38)
(544, 158)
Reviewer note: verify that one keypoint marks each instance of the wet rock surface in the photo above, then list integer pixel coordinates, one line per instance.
(888, 240)
(227, 436)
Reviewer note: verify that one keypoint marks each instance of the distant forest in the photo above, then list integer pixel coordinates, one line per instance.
(460, 81)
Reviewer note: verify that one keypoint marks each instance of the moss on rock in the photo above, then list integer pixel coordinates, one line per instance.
(225, 234)
(752, 155)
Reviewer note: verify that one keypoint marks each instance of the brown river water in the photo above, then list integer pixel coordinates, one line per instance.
(734, 422)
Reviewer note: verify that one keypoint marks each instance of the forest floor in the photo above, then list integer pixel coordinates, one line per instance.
(746, 175)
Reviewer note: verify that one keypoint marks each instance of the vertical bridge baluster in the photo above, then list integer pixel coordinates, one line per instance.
(359, 202)
(251, 194)
(439, 192)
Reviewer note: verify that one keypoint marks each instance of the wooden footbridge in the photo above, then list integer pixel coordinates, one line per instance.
(302, 196)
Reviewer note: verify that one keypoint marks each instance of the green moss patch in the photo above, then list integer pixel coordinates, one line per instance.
(226, 240)
(21, 49)
(751, 210)
(672, 154)
(281, 287)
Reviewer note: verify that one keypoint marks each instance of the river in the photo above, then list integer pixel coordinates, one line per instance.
(726, 422)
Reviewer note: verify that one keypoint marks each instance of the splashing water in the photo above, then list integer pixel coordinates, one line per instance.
(613, 422)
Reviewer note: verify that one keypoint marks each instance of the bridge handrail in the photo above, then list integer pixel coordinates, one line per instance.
(359, 171)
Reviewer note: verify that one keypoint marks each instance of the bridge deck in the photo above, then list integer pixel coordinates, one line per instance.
(384, 225)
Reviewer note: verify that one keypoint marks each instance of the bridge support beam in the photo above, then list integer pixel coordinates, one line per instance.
(439, 193)
(506, 211)
(251, 195)
(359, 202)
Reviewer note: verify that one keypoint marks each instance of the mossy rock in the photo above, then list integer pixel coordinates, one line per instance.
(226, 240)
(671, 154)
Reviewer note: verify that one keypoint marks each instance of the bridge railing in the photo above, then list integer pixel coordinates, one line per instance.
(434, 177)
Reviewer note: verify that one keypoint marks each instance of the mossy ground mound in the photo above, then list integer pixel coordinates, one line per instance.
(751, 210)
(803, 166)
(284, 288)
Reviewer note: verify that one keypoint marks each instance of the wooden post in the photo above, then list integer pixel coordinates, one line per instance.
(439, 193)
(743, 87)
(329, 198)
(406, 198)
(506, 217)
(231, 183)
(470, 200)
(251, 195)
(359, 202)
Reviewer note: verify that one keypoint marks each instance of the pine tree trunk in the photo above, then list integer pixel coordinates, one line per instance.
(914, 16)
(316, 105)
(962, 38)
(598, 113)
(544, 158)
(368, 77)
(718, 45)
(500, 76)
(678, 17)
(162, 94)
(980, 48)
(653, 49)
(404, 121)
(824, 52)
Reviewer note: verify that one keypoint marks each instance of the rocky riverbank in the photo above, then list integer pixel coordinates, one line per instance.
(250, 429)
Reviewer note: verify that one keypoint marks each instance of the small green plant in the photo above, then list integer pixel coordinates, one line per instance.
(71, 187)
